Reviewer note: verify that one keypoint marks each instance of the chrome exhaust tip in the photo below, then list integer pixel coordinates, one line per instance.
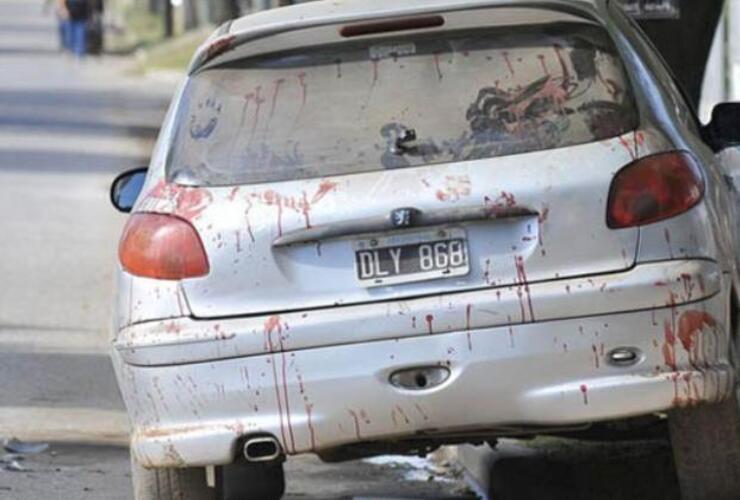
(262, 449)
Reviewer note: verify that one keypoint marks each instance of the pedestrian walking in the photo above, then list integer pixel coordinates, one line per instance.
(77, 13)
(61, 22)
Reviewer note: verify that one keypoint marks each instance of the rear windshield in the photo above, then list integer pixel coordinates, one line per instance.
(401, 102)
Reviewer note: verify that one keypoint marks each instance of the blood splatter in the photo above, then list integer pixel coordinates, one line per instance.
(258, 101)
(541, 219)
(543, 63)
(455, 187)
(430, 319)
(688, 286)
(468, 313)
(376, 71)
(667, 235)
(311, 428)
(191, 202)
(523, 282)
(325, 188)
(690, 326)
(669, 345)
(273, 325)
(304, 89)
(437, 65)
(357, 424)
(597, 359)
(508, 63)
(584, 391)
(275, 94)
(628, 147)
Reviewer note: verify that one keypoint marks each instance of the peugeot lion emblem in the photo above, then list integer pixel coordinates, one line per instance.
(402, 217)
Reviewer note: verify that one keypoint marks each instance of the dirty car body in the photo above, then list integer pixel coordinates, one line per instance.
(410, 235)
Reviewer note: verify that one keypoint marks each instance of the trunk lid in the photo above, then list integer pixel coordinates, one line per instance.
(565, 191)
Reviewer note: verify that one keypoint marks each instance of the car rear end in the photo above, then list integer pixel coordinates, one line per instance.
(428, 229)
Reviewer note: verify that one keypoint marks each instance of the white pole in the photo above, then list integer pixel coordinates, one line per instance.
(733, 50)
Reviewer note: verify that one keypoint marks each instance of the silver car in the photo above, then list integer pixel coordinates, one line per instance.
(379, 226)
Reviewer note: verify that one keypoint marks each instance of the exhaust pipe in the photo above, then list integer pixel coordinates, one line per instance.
(262, 449)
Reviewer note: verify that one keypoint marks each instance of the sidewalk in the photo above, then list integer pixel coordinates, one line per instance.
(66, 129)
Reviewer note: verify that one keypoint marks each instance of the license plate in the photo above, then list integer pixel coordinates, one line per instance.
(406, 258)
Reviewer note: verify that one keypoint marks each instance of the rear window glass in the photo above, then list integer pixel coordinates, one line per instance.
(401, 102)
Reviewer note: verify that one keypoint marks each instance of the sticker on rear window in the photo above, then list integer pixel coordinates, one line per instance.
(386, 51)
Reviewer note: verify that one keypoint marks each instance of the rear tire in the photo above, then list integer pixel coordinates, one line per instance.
(251, 481)
(706, 450)
(706, 442)
(170, 484)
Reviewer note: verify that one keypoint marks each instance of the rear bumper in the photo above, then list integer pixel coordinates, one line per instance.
(547, 373)
(645, 287)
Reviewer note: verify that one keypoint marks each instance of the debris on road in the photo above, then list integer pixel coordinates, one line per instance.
(11, 461)
(13, 445)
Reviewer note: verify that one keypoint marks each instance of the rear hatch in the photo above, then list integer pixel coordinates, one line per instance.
(395, 167)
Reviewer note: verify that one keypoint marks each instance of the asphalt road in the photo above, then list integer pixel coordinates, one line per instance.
(66, 129)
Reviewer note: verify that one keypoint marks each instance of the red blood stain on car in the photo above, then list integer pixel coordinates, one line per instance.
(669, 345)
(508, 63)
(690, 326)
(468, 313)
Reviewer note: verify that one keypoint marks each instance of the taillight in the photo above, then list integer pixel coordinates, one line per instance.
(162, 247)
(654, 188)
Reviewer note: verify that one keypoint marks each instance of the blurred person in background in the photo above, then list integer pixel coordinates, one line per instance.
(76, 13)
(61, 21)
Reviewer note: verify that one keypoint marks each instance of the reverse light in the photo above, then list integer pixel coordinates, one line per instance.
(162, 247)
(654, 188)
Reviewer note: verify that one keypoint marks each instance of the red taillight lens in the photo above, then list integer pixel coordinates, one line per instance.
(162, 247)
(653, 189)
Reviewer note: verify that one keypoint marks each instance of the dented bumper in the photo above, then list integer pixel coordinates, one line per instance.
(530, 355)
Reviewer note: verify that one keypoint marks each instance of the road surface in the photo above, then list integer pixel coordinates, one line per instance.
(66, 129)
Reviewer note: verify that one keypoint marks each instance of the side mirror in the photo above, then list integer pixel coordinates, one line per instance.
(126, 189)
(724, 130)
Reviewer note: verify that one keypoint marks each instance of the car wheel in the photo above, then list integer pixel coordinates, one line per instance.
(170, 484)
(251, 481)
(706, 445)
